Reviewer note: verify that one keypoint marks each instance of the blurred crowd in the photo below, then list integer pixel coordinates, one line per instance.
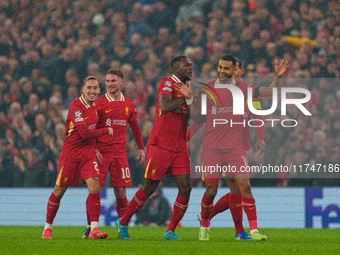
(48, 47)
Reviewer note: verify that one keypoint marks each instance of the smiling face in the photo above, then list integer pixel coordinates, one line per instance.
(91, 91)
(225, 70)
(113, 84)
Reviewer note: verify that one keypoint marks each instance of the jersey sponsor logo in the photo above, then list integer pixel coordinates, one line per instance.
(214, 110)
(85, 118)
(126, 110)
(179, 95)
(167, 89)
(108, 122)
(168, 84)
(119, 122)
(127, 181)
(92, 126)
(108, 111)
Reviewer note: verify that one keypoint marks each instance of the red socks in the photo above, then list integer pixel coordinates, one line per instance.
(235, 203)
(180, 206)
(93, 201)
(52, 208)
(206, 205)
(121, 206)
(135, 205)
(221, 206)
(250, 209)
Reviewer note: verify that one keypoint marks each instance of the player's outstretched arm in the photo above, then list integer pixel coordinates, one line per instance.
(279, 71)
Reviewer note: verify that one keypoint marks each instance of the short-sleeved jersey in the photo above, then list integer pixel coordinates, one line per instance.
(75, 148)
(227, 135)
(169, 129)
(116, 114)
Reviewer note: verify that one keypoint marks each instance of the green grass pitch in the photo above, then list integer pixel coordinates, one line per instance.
(149, 240)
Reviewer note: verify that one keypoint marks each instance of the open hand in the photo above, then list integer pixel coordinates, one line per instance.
(185, 90)
(281, 69)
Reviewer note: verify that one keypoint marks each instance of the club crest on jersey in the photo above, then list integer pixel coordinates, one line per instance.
(167, 83)
(77, 116)
(126, 110)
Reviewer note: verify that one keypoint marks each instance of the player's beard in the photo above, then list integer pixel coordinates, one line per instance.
(225, 78)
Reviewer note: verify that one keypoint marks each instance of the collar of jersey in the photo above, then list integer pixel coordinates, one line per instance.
(111, 99)
(175, 78)
(233, 82)
(83, 101)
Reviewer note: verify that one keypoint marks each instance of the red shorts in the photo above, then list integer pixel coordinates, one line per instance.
(222, 163)
(69, 172)
(120, 175)
(161, 161)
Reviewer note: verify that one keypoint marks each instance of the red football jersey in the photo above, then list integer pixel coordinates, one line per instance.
(75, 148)
(246, 131)
(169, 129)
(117, 114)
(227, 135)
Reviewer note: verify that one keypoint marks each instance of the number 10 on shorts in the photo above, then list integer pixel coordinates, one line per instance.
(125, 173)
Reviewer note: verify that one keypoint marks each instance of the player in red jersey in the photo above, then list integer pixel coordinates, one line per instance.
(166, 147)
(223, 145)
(223, 203)
(116, 111)
(78, 158)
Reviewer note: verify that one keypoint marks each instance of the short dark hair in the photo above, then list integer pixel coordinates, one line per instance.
(175, 60)
(117, 72)
(91, 77)
(240, 65)
(229, 58)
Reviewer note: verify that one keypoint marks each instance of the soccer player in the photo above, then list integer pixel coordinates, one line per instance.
(78, 158)
(223, 146)
(116, 111)
(166, 147)
(223, 203)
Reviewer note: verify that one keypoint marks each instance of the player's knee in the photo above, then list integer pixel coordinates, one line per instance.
(211, 193)
(94, 188)
(120, 192)
(245, 187)
(59, 191)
